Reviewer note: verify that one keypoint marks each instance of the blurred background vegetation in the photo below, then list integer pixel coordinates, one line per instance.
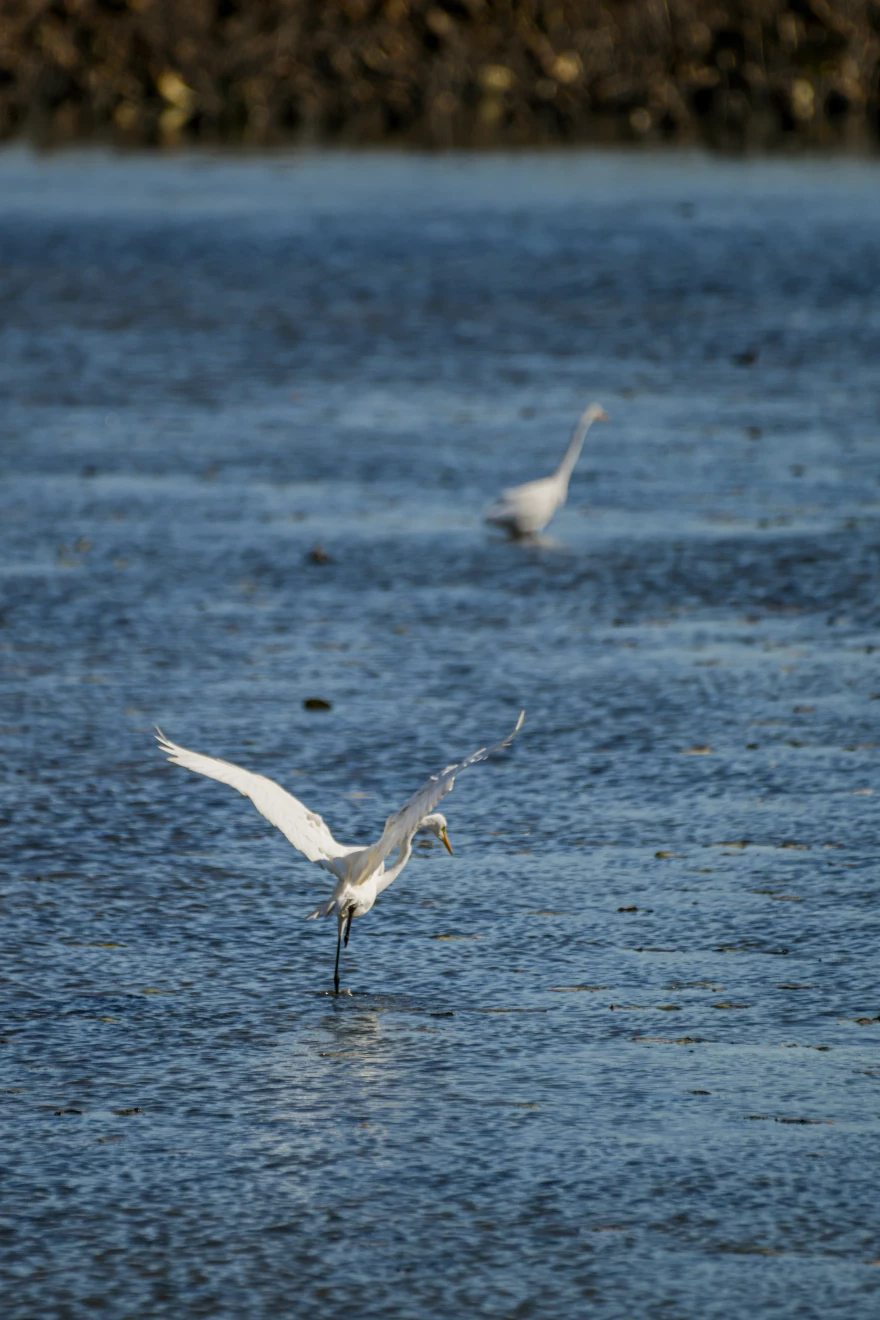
(441, 73)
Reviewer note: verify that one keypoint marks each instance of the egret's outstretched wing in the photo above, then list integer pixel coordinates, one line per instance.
(404, 822)
(305, 829)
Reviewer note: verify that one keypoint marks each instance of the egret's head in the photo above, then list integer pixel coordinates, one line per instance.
(597, 413)
(436, 825)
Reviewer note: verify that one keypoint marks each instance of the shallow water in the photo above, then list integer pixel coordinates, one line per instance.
(619, 1054)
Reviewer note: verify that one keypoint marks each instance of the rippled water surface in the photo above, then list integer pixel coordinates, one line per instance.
(618, 1056)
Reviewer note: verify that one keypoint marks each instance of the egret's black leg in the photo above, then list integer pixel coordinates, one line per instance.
(338, 947)
(348, 928)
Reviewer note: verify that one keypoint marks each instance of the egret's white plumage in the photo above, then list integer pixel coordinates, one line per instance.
(361, 874)
(305, 829)
(526, 510)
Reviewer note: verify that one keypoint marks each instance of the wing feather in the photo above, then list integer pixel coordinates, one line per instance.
(305, 829)
(404, 822)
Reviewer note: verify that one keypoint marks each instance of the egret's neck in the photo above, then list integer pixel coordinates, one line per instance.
(573, 452)
(391, 873)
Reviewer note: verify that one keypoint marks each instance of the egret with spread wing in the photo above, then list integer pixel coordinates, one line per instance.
(361, 874)
(526, 510)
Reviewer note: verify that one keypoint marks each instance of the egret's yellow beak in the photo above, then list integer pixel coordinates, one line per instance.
(445, 837)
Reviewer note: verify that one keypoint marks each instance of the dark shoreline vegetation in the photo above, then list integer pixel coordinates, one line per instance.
(441, 73)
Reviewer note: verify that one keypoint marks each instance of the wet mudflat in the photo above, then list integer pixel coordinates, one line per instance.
(621, 1051)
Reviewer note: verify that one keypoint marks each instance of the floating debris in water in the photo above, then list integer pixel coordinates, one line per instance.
(811, 1122)
(667, 1040)
(316, 703)
(563, 989)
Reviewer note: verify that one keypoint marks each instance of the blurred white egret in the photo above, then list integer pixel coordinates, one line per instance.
(526, 510)
(360, 873)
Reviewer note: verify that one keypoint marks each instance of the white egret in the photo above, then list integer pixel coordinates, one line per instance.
(526, 510)
(361, 874)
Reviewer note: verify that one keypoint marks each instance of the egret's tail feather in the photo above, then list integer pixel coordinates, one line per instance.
(500, 512)
(323, 910)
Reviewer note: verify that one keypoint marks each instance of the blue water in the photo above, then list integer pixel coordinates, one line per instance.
(618, 1056)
